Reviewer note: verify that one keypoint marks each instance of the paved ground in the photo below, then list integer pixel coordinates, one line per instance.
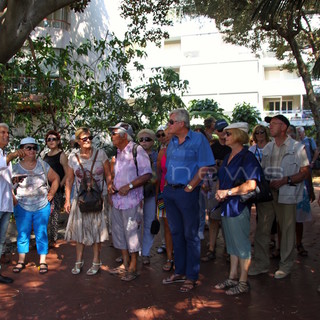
(61, 295)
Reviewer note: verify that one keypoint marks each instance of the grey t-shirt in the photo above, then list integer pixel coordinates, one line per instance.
(32, 191)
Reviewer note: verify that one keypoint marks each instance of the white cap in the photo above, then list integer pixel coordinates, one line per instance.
(238, 125)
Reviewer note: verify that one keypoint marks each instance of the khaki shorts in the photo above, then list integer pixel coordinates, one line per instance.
(126, 228)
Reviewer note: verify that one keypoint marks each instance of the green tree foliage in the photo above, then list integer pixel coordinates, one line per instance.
(206, 108)
(156, 98)
(44, 89)
(246, 113)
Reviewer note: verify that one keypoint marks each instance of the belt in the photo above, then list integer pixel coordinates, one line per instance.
(176, 186)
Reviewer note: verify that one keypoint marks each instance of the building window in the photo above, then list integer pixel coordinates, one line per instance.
(286, 107)
(59, 19)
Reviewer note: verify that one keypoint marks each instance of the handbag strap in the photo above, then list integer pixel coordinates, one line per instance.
(92, 166)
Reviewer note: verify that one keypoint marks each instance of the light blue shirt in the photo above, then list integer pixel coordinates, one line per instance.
(185, 159)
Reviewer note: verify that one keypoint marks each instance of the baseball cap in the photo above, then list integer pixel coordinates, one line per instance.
(279, 117)
(220, 124)
(238, 125)
(124, 127)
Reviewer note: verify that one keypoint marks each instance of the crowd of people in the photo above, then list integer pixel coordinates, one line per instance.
(186, 179)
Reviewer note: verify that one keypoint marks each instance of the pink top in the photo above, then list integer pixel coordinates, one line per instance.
(163, 170)
(125, 172)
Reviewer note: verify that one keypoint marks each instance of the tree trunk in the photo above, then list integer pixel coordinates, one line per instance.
(18, 21)
(306, 78)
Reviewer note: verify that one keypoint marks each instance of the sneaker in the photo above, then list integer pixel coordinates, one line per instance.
(280, 274)
(254, 271)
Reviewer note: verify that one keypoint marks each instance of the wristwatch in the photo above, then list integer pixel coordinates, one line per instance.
(289, 181)
(130, 186)
(229, 193)
(189, 186)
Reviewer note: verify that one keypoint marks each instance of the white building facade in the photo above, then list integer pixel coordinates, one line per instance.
(226, 73)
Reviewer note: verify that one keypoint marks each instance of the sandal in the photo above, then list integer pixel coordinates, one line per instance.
(188, 286)
(118, 270)
(226, 284)
(119, 259)
(77, 267)
(168, 265)
(301, 250)
(145, 260)
(129, 276)
(210, 255)
(241, 287)
(94, 268)
(43, 268)
(174, 279)
(17, 269)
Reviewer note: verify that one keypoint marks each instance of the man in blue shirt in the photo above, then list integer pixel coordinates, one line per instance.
(188, 156)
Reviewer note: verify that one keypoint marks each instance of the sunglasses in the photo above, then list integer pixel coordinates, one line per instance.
(34, 148)
(228, 133)
(172, 121)
(159, 135)
(220, 130)
(86, 138)
(260, 132)
(146, 139)
(52, 139)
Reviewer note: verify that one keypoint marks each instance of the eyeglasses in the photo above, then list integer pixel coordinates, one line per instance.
(86, 138)
(260, 132)
(220, 130)
(159, 135)
(172, 121)
(52, 139)
(146, 139)
(29, 148)
(228, 133)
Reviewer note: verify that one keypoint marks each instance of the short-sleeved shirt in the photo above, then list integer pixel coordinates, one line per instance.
(125, 171)
(33, 190)
(97, 172)
(244, 166)
(185, 159)
(6, 202)
(257, 152)
(310, 147)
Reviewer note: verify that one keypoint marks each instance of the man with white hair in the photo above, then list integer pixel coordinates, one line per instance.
(188, 156)
(126, 196)
(6, 201)
(310, 146)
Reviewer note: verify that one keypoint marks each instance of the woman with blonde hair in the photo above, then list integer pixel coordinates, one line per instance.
(260, 137)
(86, 228)
(237, 176)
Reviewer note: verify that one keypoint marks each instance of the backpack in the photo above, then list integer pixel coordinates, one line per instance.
(89, 193)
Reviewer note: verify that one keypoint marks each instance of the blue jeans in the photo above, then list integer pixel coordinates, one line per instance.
(149, 212)
(183, 218)
(24, 221)
(4, 222)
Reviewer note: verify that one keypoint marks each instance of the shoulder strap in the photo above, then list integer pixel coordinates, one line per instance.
(45, 172)
(81, 166)
(134, 154)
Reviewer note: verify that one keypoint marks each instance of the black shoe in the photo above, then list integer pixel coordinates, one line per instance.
(5, 279)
